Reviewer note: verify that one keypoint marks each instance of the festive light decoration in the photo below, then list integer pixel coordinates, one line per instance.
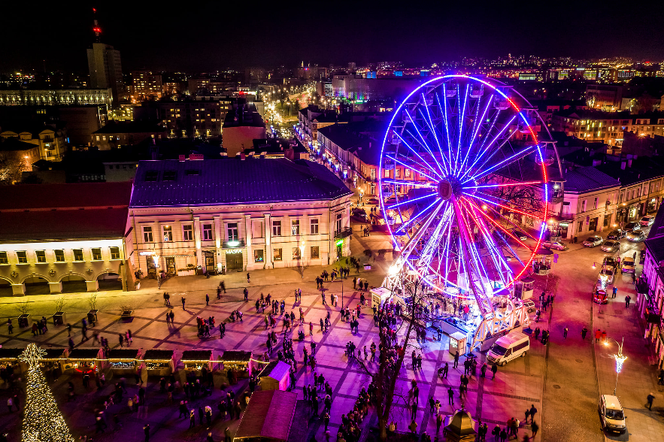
(43, 421)
(620, 359)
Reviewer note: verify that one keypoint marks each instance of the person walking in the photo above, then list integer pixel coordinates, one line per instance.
(450, 394)
(584, 332)
(248, 278)
(121, 339)
(615, 291)
(494, 369)
(565, 332)
(535, 428)
(183, 301)
(627, 300)
(651, 398)
(207, 299)
(598, 335)
(533, 412)
(146, 431)
(456, 360)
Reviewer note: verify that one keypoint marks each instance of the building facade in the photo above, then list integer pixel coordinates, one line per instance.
(50, 141)
(105, 69)
(237, 215)
(56, 97)
(57, 238)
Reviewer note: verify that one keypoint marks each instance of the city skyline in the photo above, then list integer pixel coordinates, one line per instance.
(212, 36)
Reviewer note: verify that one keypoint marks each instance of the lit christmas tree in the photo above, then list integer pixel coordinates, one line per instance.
(43, 422)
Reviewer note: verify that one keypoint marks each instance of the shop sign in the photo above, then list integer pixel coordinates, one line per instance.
(233, 251)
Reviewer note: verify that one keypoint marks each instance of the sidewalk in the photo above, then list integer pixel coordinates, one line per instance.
(638, 378)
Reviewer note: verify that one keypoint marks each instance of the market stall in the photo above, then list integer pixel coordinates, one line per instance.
(269, 417)
(275, 376)
(9, 360)
(123, 360)
(379, 295)
(159, 362)
(238, 362)
(82, 360)
(196, 360)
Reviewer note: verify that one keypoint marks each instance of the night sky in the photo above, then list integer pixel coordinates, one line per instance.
(199, 36)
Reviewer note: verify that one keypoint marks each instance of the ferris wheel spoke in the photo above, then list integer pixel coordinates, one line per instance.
(447, 128)
(470, 244)
(507, 232)
(412, 243)
(432, 244)
(432, 128)
(408, 166)
(424, 163)
(512, 223)
(423, 142)
(477, 126)
(409, 183)
(411, 220)
(506, 162)
(409, 201)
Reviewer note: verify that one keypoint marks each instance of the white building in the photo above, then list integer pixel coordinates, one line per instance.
(236, 214)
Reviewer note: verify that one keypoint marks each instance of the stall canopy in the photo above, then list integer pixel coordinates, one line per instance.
(158, 355)
(269, 416)
(10, 353)
(123, 353)
(275, 376)
(55, 353)
(80, 354)
(236, 356)
(196, 355)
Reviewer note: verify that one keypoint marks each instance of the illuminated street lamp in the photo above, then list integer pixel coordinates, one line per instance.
(620, 360)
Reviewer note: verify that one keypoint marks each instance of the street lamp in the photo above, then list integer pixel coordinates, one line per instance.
(620, 360)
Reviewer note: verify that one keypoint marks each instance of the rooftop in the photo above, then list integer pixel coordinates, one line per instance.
(233, 181)
(641, 169)
(13, 144)
(587, 179)
(128, 127)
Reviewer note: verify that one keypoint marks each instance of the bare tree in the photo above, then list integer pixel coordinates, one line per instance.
(391, 359)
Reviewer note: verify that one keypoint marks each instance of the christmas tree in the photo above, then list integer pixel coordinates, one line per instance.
(43, 422)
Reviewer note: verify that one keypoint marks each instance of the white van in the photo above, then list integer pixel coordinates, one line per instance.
(508, 347)
(611, 414)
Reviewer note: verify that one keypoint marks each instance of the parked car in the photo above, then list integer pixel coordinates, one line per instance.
(609, 261)
(630, 227)
(606, 274)
(361, 214)
(593, 241)
(636, 236)
(508, 347)
(647, 220)
(611, 414)
(373, 201)
(529, 305)
(610, 246)
(554, 245)
(519, 234)
(616, 234)
(628, 265)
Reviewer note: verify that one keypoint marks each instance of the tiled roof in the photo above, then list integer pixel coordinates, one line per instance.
(586, 179)
(233, 181)
(73, 195)
(366, 148)
(642, 169)
(13, 144)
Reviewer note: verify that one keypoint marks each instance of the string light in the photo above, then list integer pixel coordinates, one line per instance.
(43, 421)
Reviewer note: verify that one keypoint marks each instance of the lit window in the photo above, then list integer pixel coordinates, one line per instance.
(168, 233)
(277, 255)
(41, 255)
(314, 226)
(96, 254)
(315, 252)
(3, 258)
(78, 254)
(297, 253)
(295, 227)
(258, 255)
(232, 231)
(22, 257)
(115, 252)
(59, 255)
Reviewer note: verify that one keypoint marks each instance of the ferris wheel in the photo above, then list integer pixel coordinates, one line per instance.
(464, 186)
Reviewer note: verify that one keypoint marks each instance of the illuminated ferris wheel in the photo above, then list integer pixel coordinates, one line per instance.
(463, 186)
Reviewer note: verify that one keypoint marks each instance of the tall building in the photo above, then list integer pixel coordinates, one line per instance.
(105, 66)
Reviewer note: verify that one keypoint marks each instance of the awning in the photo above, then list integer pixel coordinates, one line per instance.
(269, 415)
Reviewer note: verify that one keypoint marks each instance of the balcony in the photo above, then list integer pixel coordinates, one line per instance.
(346, 232)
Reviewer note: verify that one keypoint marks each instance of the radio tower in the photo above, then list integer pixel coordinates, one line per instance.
(95, 27)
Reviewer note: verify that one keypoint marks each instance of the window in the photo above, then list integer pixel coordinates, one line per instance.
(276, 253)
(258, 255)
(168, 233)
(595, 204)
(96, 254)
(78, 254)
(147, 234)
(314, 226)
(315, 252)
(295, 227)
(231, 229)
(188, 232)
(406, 173)
(59, 255)
(387, 173)
(115, 252)
(22, 257)
(3, 258)
(276, 228)
(207, 232)
(297, 253)
(397, 173)
(257, 228)
(583, 206)
(373, 174)
(41, 255)
(338, 222)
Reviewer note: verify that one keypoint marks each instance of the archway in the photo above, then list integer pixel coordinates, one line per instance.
(36, 285)
(73, 283)
(5, 288)
(109, 281)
